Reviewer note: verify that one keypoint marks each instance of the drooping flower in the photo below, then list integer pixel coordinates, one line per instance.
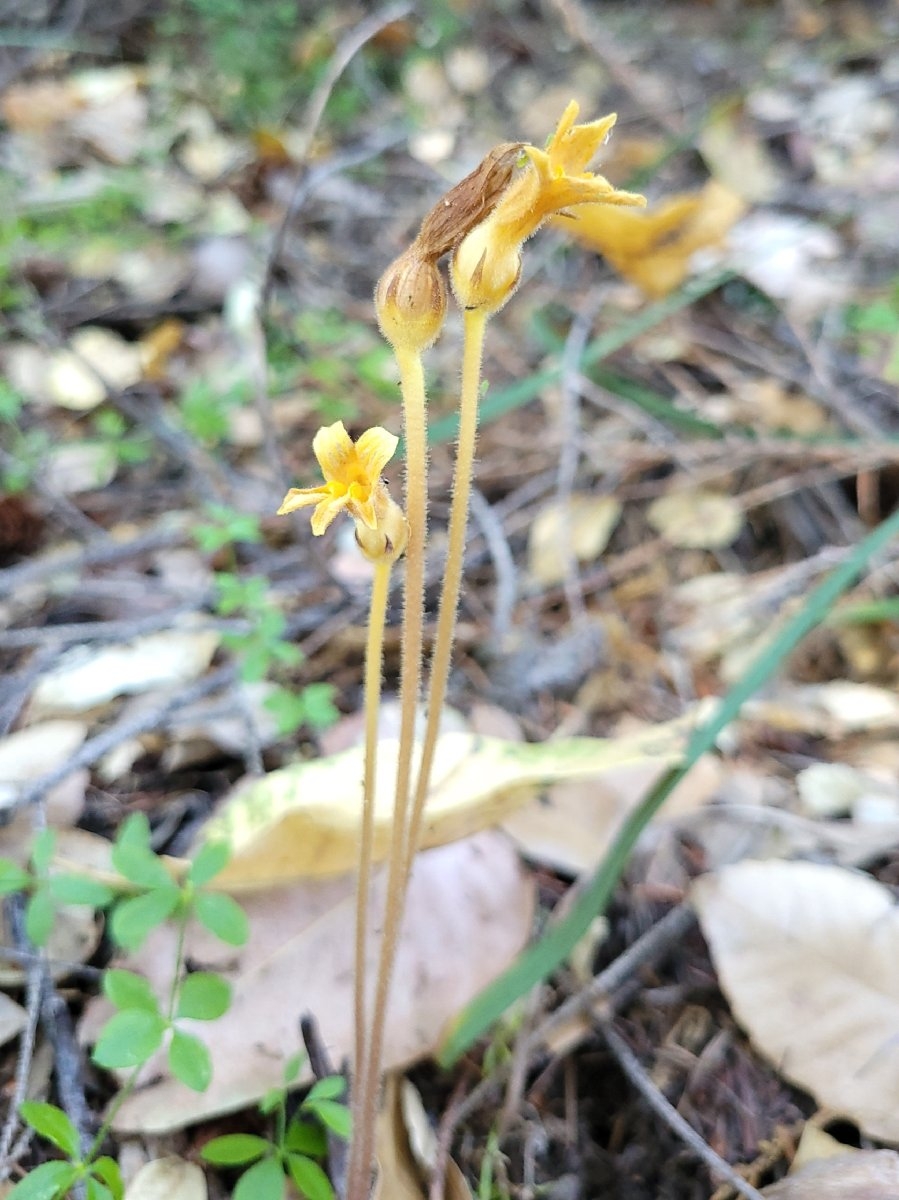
(487, 263)
(654, 249)
(352, 472)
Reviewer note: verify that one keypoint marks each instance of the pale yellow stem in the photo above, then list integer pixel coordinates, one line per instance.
(415, 428)
(374, 652)
(472, 354)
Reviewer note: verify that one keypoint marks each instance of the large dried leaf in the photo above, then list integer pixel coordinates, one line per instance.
(469, 913)
(303, 821)
(808, 955)
(571, 826)
(861, 1175)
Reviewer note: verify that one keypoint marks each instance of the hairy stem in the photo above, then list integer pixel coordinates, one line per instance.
(374, 653)
(414, 415)
(472, 354)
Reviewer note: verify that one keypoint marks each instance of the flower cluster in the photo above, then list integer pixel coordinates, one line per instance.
(483, 222)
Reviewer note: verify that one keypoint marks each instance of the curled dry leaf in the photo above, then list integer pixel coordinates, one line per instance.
(583, 526)
(303, 821)
(808, 956)
(469, 912)
(402, 1125)
(861, 1175)
(696, 519)
(169, 1178)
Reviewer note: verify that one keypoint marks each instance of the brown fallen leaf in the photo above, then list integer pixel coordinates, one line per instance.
(570, 826)
(808, 956)
(653, 248)
(862, 1175)
(399, 1175)
(469, 913)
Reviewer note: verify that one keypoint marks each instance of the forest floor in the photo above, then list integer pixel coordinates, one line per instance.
(682, 435)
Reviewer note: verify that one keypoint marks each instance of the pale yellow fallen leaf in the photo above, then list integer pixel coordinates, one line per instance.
(469, 913)
(81, 466)
(76, 378)
(169, 1178)
(582, 527)
(837, 790)
(696, 519)
(655, 247)
(735, 154)
(29, 753)
(302, 821)
(862, 1175)
(828, 710)
(816, 1143)
(13, 1019)
(85, 677)
(808, 956)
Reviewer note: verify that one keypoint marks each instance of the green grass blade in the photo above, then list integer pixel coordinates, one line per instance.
(557, 944)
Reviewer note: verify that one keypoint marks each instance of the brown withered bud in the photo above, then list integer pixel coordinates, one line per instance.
(468, 203)
(410, 301)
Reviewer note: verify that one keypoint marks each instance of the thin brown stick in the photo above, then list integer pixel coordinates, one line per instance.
(633, 1069)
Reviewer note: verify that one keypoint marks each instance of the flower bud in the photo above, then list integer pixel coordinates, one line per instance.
(388, 540)
(410, 300)
(486, 269)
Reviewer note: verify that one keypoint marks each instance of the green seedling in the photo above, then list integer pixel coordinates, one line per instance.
(100, 1176)
(295, 1149)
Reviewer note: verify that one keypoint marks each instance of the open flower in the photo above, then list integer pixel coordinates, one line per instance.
(487, 264)
(352, 472)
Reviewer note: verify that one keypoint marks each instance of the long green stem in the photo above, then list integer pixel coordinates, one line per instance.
(472, 355)
(414, 409)
(374, 654)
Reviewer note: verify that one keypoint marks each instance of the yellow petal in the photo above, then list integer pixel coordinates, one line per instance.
(333, 447)
(301, 498)
(573, 146)
(325, 513)
(363, 510)
(374, 449)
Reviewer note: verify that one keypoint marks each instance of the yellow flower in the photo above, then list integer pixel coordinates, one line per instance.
(487, 264)
(654, 249)
(352, 474)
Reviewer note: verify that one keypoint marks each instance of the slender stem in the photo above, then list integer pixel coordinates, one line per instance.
(472, 354)
(414, 414)
(374, 653)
